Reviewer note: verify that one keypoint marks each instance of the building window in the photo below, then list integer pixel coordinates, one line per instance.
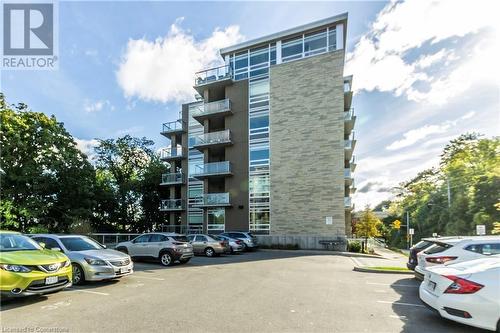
(292, 49)
(315, 43)
(216, 219)
(332, 39)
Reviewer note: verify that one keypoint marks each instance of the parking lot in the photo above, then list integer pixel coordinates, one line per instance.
(263, 291)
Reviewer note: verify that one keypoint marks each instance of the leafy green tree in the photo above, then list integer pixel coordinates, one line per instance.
(46, 182)
(368, 226)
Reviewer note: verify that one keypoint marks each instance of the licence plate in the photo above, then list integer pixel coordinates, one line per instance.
(123, 270)
(431, 285)
(51, 280)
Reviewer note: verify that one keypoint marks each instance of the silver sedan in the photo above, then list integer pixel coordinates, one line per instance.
(91, 261)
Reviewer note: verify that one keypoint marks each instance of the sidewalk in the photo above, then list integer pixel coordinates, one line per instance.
(387, 258)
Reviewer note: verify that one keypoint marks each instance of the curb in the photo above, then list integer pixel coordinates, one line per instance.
(326, 252)
(372, 270)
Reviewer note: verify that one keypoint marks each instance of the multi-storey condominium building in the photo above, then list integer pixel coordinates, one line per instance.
(268, 146)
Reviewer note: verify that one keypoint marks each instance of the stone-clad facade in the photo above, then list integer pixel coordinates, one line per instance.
(307, 146)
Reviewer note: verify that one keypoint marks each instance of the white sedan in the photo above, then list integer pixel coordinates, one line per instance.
(466, 292)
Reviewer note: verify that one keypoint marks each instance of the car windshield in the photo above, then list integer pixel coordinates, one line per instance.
(15, 242)
(180, 238)
(80, 244)
(436, 248)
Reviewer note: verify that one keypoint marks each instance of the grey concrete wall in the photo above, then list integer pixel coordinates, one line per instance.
(307, 150)
(237, 154)
(304, 242)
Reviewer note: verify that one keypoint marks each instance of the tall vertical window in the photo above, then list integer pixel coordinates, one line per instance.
(195, 187)
(315, 43)
(292, 49)
(216, 219)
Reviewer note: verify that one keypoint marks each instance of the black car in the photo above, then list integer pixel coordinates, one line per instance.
(420, 246)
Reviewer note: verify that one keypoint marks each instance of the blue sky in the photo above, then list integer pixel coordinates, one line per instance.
(423, 72)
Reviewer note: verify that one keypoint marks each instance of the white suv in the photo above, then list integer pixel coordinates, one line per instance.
(455, 250)
(165, 247)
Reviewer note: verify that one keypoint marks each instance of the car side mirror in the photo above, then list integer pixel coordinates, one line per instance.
(56, 249)
(104, 246)
(42, 244)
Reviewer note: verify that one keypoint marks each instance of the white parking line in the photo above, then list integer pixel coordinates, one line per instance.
(398, 317)
(88, 291)
(392, 285)
(401, 303)
(356, 262)
(146, 277)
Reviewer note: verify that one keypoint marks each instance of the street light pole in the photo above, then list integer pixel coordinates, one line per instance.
(407, 228)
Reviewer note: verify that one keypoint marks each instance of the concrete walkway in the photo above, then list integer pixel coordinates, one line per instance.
(387, 258)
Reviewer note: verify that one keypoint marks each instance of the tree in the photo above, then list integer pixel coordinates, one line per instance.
(368, 225)
(46, 181)
(125, 170)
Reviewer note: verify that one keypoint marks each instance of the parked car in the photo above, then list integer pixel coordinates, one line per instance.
(26, 268)
(208, 245)
(90, 260)
(424, 244)
(467, 292)
(167, 248)
(235, 245)
(249, 240)
(455, 250)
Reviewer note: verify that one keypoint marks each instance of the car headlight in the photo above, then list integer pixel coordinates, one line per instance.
(67, 263)
(178, 249)
(95, 262)
(16, 268)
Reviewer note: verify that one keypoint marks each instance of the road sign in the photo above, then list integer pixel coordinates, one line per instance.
(411, 231)
(480, 229)
(396, 224)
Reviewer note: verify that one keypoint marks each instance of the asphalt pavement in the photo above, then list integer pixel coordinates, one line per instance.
(263, 291)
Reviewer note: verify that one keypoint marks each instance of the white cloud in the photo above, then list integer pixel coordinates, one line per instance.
(87, 146)
(97, 106)
(415, 135)
(379, 60)
(163, 70)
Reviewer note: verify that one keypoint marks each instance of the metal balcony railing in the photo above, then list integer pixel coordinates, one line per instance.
(173, 126)
(172, 204)
(223, 105)
(169, 152)
(214, 199)
(213, 75)
(172, 178)
(214, 168)
(213, 138)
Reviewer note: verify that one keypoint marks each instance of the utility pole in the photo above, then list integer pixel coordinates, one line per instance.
(407, 228)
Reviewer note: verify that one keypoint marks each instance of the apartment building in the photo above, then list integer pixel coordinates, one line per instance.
(268, 145)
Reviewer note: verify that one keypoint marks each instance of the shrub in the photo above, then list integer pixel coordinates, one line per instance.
(354, 246)
(38, 229)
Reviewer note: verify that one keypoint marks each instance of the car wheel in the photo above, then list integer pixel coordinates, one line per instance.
(209, 252)
(122, 249)
(245, 247)
(184, 261)
(166, 259)
(78, 275)
(498, 326)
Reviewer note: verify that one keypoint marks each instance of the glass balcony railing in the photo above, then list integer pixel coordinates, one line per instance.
(173, 126)
(215, 168)
(172, 178)
(348, 115)
(172, 204)
(223, 105)
(213, 75)
(213, 138)
(347, 173)
(214, 199)
(171, 153)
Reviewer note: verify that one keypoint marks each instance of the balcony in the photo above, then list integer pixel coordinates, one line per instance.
(172, 205)
(213, 109)
(213, 200)
(349, 120)
(352, 163)
(349, 145)
(172, 178)
(171, 154)
(215, 169)
(347, 92)
(213, 139)
(348, 176)
(213, 77)
(353, 187)
(348, 203)
(173, 127)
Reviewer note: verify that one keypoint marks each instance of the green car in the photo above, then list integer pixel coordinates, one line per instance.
(28, 269)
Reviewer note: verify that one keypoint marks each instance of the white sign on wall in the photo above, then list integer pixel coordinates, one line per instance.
(329, 220)
(411, 231)
(480, 229)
